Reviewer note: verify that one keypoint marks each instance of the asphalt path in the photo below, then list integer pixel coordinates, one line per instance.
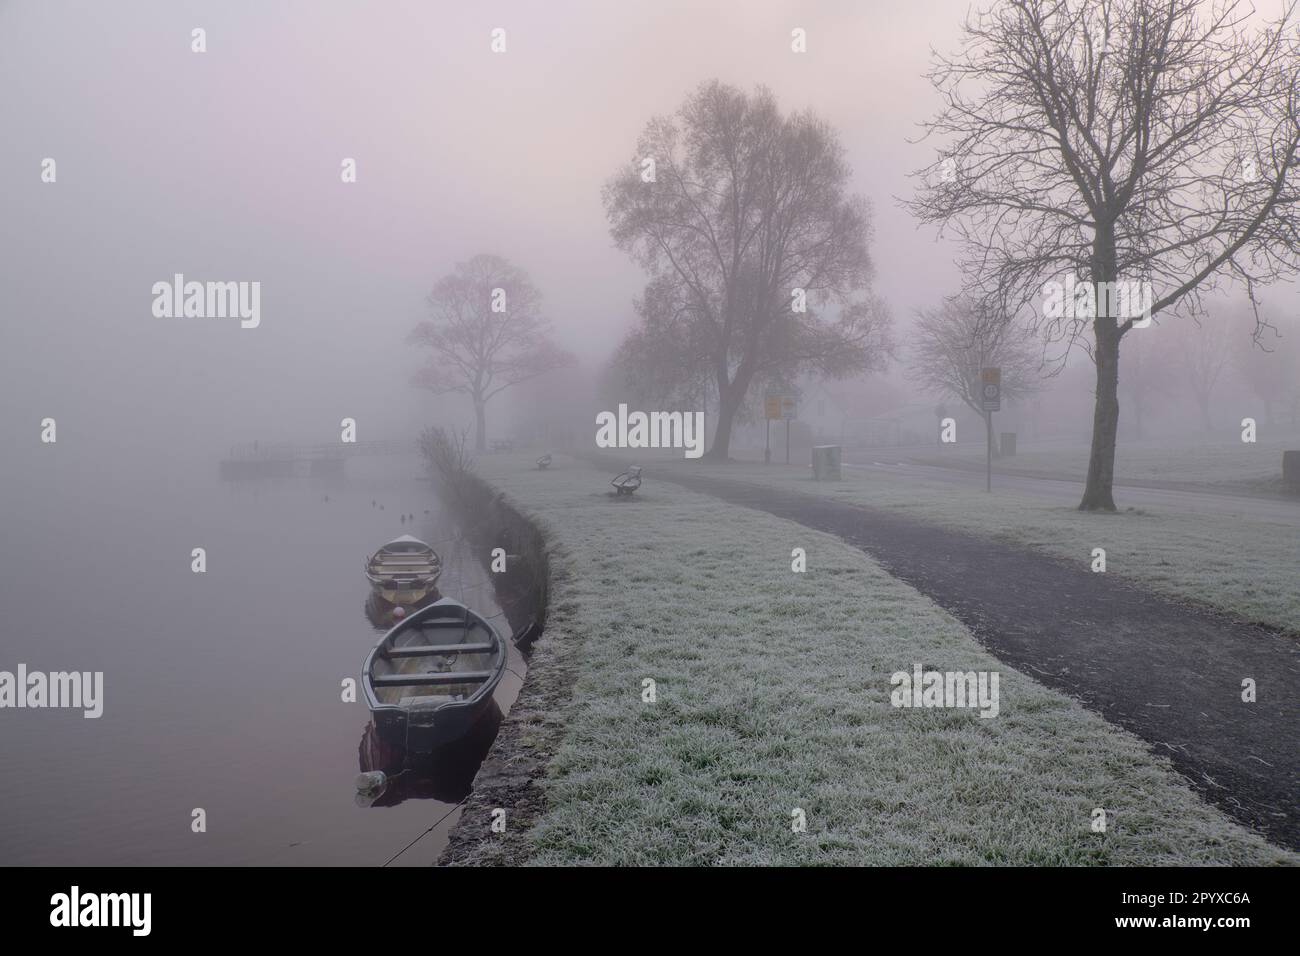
(1168, 672)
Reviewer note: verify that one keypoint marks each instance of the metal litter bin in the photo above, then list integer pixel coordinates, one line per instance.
(826, 462)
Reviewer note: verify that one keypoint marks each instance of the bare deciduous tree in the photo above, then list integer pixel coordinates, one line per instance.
(663, 359)
(744, 207)
(445, 453)
(1267, 365)
(1116, 141)
(1201, 355)
(952, 344)
(485, 335)
(1150, 374)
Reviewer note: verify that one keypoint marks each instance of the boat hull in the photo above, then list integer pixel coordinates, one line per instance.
(419, 735)
(404, 571)
(404, 595)
(431, 678)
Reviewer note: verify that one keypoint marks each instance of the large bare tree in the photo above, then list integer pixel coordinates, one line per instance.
(485, 333)
(1144, 141)
(952, 344)
(1202, 355)
(746, 215)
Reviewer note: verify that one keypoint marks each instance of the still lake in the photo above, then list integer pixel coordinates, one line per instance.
(222, 690)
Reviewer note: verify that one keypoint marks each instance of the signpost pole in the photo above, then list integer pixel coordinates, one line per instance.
(777, 406)
(990, 401)
(988, 463)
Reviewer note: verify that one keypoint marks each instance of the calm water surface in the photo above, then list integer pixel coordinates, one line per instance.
(222, 690)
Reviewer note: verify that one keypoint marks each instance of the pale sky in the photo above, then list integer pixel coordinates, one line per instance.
(225, 166)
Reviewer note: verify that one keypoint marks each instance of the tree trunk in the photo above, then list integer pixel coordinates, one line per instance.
(728, 404)
(480, 425)
(730, 395)
(1098, 493)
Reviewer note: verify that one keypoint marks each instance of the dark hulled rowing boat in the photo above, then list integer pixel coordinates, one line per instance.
(432, 676)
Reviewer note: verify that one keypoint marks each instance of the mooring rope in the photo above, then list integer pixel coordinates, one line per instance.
(431, 828)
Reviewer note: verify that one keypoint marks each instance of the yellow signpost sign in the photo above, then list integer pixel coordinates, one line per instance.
(991, 389)
(778, 407)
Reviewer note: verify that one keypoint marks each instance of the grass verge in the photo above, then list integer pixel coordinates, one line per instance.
(1227, 465)
(1241, 566)
(772, 694)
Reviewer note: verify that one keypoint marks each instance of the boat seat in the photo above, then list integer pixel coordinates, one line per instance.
(435, 650)
(426, 701)
(444, 678)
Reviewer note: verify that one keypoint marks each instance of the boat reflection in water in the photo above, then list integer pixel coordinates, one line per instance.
(383, 614)
(445, 775)
(428, 735)
(428, 746)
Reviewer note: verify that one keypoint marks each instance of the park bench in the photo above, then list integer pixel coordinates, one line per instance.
(628, 482)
